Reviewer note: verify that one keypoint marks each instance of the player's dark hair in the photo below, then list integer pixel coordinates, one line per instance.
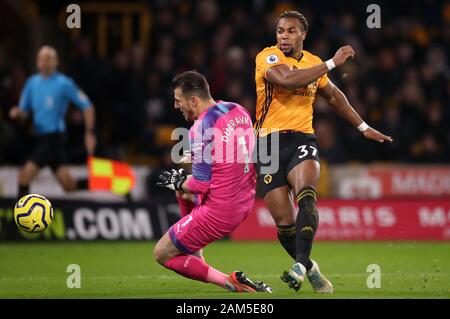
(296, 15)
(192, 82)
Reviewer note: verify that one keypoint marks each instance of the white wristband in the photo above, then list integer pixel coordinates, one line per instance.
(363, 126)
(330, 64)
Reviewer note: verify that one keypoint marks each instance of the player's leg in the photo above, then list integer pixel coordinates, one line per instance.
(59, 164)
(275, 189)
(26, 175)
(175, 251)
(187, 265)
(66, 180)
(280, 205)
(304, 179)
(186, 203)
(193, 267)
(38, 159)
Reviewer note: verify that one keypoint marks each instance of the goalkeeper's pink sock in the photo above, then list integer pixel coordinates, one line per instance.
(195, 268)
(217, 277)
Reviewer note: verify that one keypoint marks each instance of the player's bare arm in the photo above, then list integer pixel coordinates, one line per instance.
(291, 79)
(89, 138)
(339, 103)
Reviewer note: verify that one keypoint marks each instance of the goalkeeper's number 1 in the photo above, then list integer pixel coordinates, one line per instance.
(242, 142)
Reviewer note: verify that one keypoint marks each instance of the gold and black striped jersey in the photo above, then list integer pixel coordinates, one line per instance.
(279, 109)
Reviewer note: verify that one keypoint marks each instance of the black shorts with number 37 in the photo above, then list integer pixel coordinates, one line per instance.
(293, 148)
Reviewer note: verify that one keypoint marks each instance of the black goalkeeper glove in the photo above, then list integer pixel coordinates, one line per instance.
(172, 179)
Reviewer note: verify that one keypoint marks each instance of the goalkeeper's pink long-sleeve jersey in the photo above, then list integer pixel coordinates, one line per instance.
(222, 142)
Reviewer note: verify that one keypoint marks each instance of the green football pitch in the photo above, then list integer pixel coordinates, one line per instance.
(127, 270)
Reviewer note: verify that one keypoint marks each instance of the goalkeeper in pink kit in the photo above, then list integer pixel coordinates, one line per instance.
(223, 181)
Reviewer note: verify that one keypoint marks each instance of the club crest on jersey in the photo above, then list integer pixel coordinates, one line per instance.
(271, 59)
(268, 179)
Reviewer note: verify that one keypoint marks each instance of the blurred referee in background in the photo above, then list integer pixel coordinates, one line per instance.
(46, 96)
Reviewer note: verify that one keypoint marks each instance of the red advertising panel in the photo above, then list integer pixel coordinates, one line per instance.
(412, 180)
(362, 220)
(393, 182)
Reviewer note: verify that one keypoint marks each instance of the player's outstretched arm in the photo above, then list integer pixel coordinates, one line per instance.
(291, 79)
(339, 103)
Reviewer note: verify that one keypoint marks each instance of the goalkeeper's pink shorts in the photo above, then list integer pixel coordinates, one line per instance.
(203, 226)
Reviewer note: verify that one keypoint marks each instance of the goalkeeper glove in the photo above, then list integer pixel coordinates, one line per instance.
(172, 179)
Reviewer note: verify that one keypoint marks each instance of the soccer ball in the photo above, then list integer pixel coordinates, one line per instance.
(33, 213)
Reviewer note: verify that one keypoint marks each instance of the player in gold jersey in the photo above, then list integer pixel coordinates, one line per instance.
(287, 81)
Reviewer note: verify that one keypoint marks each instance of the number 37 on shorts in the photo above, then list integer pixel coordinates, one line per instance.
(305, 150)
